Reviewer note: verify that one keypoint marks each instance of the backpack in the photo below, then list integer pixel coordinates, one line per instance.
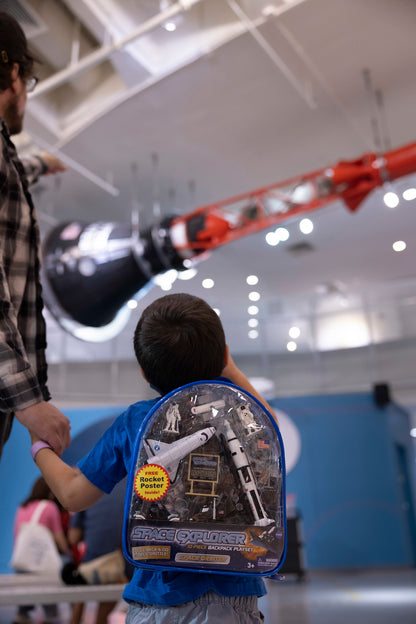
(206, 487)
(35, 549)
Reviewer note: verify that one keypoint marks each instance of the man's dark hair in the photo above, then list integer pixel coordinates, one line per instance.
(13, 49)
(179, 339)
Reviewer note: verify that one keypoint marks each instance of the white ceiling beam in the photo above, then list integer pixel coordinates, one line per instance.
(271, 52)
(103, 53)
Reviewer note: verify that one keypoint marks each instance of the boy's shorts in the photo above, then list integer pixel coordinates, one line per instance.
(209, 607)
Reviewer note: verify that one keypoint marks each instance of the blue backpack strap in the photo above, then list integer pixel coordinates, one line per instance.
(206, 487)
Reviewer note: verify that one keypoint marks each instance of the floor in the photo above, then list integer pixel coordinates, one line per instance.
(362, 597)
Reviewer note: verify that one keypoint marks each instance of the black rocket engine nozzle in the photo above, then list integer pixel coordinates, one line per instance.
(91, 270)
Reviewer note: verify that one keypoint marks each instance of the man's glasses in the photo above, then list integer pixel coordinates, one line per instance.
(31, 83)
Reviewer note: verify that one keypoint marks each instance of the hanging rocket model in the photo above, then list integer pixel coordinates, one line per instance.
(90, 271)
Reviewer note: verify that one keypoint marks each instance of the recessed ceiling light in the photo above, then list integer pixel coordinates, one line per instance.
(188, 274)
(291, 346)
(252, 280)
(132, 304)
(409, 194)
(282, 233)
(391, 199)
(272, 239)
(294, 332)
(413, 432)
(399, 246)
(253, 333)
(253, 310)
(207, 283)
(169, 26)
(217, 311)
(253, 322)
(165, 280)
(306, 226)
(254, 296)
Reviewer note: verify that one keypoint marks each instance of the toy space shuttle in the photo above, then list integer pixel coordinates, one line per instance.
(246, 477)
(169, 455)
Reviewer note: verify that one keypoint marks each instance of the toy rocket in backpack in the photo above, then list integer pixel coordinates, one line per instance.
(206, 489)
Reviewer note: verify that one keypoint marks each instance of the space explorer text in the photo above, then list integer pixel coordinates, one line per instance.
(186, 536)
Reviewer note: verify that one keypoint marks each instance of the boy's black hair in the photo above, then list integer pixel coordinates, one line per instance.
(179, 339)
(13, 49)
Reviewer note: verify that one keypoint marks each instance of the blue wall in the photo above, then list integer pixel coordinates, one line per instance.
(346, 480)
(18, 472)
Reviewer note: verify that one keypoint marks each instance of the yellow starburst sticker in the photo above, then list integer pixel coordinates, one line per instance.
(151, 482)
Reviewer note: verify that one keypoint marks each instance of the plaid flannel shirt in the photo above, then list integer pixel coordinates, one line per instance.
(23, 370)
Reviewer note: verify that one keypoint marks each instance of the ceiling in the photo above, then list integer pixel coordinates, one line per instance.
(242, 94)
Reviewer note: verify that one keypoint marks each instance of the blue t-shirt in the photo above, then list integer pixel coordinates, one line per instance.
(109, 462)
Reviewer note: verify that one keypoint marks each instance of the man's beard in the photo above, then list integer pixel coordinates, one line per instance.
(13, 118)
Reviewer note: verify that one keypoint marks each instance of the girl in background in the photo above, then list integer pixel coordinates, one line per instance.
(51, 519)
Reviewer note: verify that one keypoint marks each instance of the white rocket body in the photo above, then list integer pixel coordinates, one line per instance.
(246, 477)
(169, 455)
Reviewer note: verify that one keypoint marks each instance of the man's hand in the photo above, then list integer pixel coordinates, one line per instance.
(47, 423)
(54, 165)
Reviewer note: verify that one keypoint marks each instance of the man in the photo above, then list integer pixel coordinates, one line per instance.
(23, 368)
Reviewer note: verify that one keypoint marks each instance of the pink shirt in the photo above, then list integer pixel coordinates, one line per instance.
(50, 516)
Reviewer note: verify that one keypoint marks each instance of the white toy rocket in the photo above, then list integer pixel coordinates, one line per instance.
(169, 455)
(246, 476)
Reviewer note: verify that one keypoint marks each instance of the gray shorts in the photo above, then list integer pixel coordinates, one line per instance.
(209, 608)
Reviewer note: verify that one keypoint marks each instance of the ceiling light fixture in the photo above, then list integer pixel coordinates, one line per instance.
(294, 332)
(306, 226)
(252, 280)
(291, 346)
(217, 311)
(252, 310)
(132, 304)
(253, 334)
(282, 233)
(272, 239)
(165, 280)
(409, 194)
(169, 26)
(399, 246)
(391, 199)
(188, 274)
(413, 432)
(254, 296)
(207, 283)
(253, 322)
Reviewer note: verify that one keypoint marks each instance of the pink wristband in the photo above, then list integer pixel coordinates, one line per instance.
(40, 444)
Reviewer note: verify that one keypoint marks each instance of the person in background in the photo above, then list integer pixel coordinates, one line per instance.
(51, 519)
(23, 368)
(179, 339)
(100, 529)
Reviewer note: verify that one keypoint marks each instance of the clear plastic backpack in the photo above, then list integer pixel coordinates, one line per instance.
(206, 490)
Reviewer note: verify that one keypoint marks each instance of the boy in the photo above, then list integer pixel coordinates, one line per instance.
(179, 339)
